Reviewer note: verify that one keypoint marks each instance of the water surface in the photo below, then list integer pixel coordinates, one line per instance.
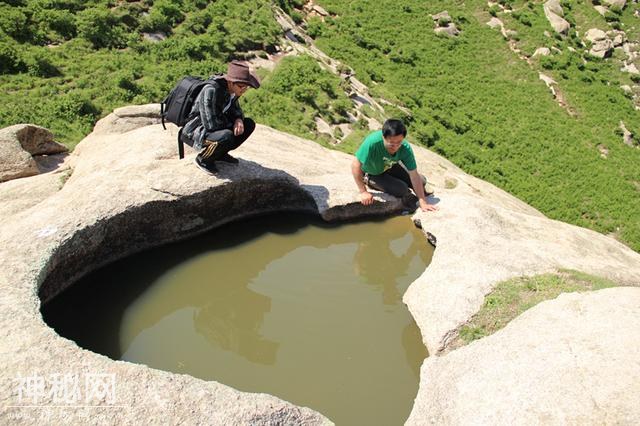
(285, 305)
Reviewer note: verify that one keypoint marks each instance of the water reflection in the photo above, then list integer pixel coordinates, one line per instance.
(233, 319)
(382, 259)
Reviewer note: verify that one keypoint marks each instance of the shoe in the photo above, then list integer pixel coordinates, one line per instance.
(209, 169)
(228, 158)
(428, 190)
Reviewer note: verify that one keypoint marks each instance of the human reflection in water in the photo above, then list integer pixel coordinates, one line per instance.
(233, 318)
(380, 266)
(231, 314)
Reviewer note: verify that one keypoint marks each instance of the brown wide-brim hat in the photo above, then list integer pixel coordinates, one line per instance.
(239, 72)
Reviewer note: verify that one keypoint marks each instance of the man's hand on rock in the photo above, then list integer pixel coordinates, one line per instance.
(366, 198)
(426, 207)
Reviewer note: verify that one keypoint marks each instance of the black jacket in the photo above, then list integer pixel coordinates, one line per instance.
(209, 114)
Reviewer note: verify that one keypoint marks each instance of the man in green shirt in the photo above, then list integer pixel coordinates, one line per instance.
(377, 165)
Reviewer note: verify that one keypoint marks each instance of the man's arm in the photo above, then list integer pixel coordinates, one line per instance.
(416, 183)
(366, 198)
(238, 115)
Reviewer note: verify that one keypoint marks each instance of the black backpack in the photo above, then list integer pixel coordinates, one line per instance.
(176, 107)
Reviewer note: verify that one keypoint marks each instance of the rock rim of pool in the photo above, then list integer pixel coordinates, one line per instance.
(123, 190)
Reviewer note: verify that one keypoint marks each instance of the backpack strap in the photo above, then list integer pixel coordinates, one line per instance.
(180, 144)
(162, 114)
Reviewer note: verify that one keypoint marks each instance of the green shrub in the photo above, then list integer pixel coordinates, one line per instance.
(297, 17)
(13, 21)
(314, 27)
(163, 16)
(101, 28)
(611, 17)
(10, 60)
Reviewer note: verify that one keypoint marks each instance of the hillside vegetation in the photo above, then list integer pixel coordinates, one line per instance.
(471, 98)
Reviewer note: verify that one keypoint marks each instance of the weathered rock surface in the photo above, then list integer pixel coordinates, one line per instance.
(571, 360)
(18, 145)
(129, 191)
(453, 287)
(554, 13)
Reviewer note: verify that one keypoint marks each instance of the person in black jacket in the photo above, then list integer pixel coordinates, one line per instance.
(218, 124)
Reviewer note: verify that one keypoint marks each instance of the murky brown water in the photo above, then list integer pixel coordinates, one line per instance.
(284, 305)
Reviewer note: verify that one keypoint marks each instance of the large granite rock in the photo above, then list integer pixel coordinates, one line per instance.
(18, 145)
(125, 190)
(573, 360)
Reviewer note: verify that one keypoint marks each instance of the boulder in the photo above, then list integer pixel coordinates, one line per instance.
(629, 49)
(450, 30)
(442, 16)
(566, 361)
(602, 48)
(619, 3)
(618, 40)
(495, 23)
(15, 162)
(627, 136)
(554, 13)
(18, 145)
(542, 51)
(594, 34)
(125, 119)
(154, 37)
(630, 68)
(444, 24)
(320, 10)
(600, 9)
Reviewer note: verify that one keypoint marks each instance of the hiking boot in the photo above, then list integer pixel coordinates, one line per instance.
(209, 169)
(228, 158)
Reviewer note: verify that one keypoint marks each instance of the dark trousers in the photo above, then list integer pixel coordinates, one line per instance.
(225, 141)
(395, 181)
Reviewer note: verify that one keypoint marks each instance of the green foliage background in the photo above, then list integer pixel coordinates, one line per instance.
(473, 101)
(66, 63)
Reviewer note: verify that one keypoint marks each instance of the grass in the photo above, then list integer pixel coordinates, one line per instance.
(512, 297)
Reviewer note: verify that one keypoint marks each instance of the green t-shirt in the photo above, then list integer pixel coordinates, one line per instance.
(376, 159)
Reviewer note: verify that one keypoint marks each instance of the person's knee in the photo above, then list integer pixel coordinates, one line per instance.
(398, 190)
(395, 187)
(221, 136)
